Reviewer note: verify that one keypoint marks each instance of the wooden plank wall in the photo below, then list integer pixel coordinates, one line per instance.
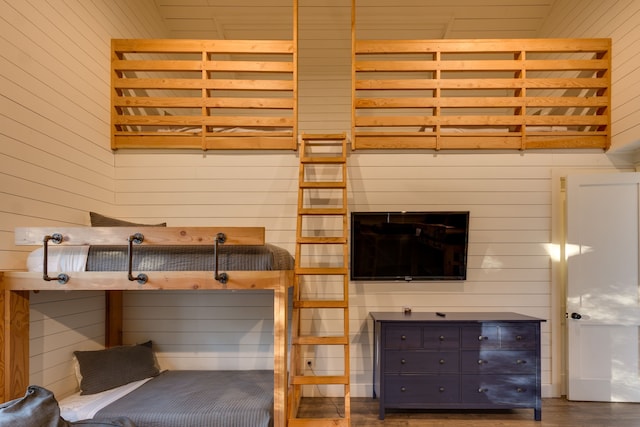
(55, 161)
(60, 323)
(55, 112)
(576, 18)
(209, 330)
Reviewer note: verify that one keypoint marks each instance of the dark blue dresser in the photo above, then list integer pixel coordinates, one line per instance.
(457, 360)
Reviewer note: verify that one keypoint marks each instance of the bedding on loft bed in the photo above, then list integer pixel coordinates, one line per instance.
(271, 269)
(481, 94)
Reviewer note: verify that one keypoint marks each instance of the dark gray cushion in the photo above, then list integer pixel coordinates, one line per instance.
(99, 220)
(106, 369)
(38, 407)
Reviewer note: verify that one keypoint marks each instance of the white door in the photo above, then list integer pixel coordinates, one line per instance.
(602, 287)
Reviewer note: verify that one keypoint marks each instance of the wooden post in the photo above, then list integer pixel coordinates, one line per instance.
(113, 318)
(14, 344)
(280, 351)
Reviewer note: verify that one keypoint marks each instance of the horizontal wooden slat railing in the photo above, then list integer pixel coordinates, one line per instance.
(204, 94)
(481, 94)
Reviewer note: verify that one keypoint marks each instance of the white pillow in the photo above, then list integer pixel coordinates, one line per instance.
(59, 259)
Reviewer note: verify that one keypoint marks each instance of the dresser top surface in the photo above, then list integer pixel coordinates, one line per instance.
(448, 316)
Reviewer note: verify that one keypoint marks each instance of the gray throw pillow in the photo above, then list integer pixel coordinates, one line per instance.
(99, 220)
(106, 369)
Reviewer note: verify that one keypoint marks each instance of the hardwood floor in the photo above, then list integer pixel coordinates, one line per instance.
(555, 412)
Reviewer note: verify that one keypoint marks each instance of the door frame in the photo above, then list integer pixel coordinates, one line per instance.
(559, 339)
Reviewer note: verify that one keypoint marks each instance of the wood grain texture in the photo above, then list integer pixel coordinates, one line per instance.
(209, 80)
(492, 94)
(556, 412)
(14, 350)
(152, 235)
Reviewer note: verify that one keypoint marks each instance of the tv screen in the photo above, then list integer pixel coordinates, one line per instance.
(409, 245)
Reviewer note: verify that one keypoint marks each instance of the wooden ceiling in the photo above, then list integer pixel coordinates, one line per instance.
(390, 19)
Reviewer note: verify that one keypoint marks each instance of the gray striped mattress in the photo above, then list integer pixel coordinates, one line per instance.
(199, 399)
(189, 258)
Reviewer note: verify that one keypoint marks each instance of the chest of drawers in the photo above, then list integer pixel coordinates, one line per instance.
(456, 361)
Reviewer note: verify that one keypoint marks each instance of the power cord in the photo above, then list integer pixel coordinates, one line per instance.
(331, 399)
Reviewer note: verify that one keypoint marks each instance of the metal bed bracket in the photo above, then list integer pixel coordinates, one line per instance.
(61, 278)
(220, 277)
(136, 238)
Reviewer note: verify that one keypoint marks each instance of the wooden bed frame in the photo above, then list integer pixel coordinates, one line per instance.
(205, 94)
(15, 287)
(481, 94)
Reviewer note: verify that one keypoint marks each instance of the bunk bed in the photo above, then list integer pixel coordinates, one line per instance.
(481, 94)
(221, 245)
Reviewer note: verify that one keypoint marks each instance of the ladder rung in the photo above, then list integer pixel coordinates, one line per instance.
(318, 422)
(322, 240)
(323, 136)
(321, 304)
(327, 184)
(322, 211)
(321, 271)
(322, 160)
(311, 340)
(320, 379)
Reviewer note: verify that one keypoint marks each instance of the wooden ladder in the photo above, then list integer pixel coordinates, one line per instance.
(321, 285)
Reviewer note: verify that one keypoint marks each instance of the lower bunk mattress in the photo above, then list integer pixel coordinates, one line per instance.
(183, 399)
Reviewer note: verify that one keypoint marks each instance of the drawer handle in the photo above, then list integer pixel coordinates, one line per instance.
(519, 338)
(482, 338)
(442, 361)
(482, 362)
(521, 390)
(403, 389)
(483, 390)
(403, 337)
(521, 362)
(402, 361)
(441, 337)
(441, 389)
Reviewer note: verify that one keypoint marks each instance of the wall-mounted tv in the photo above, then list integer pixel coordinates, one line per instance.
(390, 246)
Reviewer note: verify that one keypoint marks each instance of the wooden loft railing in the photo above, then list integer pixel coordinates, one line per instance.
(482, 94)
(205, 94)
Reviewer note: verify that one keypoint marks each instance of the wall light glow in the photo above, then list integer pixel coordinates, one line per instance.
(569, 250)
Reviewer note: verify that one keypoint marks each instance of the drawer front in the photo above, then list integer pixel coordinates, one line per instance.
(480, 336)
(499, 389)
(518, 336)
(441, 337)
(399, 361)
(498, 362)
(401, 336)
(412, 389)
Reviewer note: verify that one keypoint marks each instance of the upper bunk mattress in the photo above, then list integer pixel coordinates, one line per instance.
(189, 258)
(163, 258)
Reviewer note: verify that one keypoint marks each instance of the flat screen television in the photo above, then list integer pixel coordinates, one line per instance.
(391, 246)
